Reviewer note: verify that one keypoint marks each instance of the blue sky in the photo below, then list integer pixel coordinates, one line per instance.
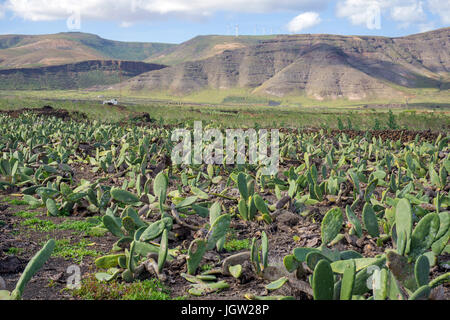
(180, 20)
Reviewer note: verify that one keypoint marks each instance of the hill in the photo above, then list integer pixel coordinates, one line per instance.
(317, 66)
(203, 47)
(78, 75)
(22, 51)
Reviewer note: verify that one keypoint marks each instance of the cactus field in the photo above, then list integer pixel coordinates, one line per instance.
(350, 215)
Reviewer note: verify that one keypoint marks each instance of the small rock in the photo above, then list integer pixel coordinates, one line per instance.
(368, 248)
(140, 270)
(247, 273)
(288, 218)
(211, 256)
(275, 214)
(144, 210)
(312, 243)
(233, 260)
(446, 266)
(58, 277)
(181, 232)
(351, 239)
(152, 267)
(430, 193)
(438, 293)
(11, 264)
(282, 202)
(272, 273)
(152, 255)
(360, 242)
(300, 273)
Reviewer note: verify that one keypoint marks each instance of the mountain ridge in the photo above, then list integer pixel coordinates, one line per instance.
(19, 51)
(320, 66)
(79, 75)
(368, 66)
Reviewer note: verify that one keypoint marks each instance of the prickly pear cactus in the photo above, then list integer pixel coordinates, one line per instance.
(331, 225)
(195, 254)
(113, 226)
(124, 196)
(52, 208)
(403, 223)
(264, 250)
(242, 186)
(32, 267)
(353, 219)
(214, 214)
(218, 230)
(260, 204)
(422, 271)
(243, 209)
(370, 220)
(153, 231)
(348, 280)
(163, 250)
(424, 234)
(323, 281)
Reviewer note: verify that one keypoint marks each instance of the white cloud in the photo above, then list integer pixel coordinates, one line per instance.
(359, 12)
(441, 8)
(409, 13)
(304, 21)
(366, 13)
(363, 12)
(424, 27)
(2, 11)
(137, 10)
(126, 24)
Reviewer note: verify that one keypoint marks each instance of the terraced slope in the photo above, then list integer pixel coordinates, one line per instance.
(318, 66)
(78, 75)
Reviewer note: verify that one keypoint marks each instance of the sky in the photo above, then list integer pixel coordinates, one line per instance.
(176, 21)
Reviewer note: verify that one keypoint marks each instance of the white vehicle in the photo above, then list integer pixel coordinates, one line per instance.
(112, 102)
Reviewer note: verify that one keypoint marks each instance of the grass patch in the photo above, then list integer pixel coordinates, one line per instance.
(45, 225)
(97, 232)
(14, 202)
(75, 252)
(81, 226)
(14, 251)
(92, 289)
(26, 214)
(291, 113)
(236, 245)
(6, 199)
(206, 267)
(39, 225)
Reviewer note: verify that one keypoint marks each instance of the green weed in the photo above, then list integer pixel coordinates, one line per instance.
(236, 245)
(14, 251)
(75, 252)
(92, 289)
(26, 214)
